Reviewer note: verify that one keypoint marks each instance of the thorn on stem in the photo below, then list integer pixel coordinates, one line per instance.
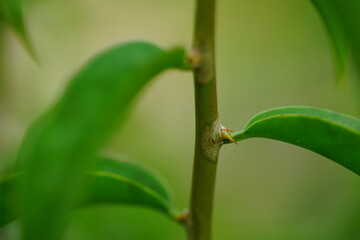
(225, 134)
(183, 217)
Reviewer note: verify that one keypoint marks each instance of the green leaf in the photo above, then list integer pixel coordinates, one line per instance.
(7, 184)
(333, 135)
(11, 14)
(64, 141)
(336, 32)
(342, 22)
(111, 182)
(123, 182)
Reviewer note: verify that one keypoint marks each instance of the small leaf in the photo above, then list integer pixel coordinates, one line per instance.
(11, 14)
(112, 182)
(342, 22)
(333, 135)
(64, 141)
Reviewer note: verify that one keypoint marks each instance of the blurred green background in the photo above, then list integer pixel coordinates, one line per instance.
(269, 54)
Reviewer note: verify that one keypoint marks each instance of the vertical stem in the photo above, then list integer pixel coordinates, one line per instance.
(207, 141)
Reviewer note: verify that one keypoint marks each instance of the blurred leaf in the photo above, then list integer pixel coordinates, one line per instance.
(342, 21)
(337, 34)
(122, 182)
(112, 182)
(6, 186)
(64, 141)
(12, 15)
(333, 135)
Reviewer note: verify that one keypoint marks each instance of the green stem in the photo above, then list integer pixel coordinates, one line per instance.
(207, 141)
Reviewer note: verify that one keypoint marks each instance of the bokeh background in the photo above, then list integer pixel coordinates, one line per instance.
(269, 54)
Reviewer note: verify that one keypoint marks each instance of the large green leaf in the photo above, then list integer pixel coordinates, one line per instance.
(63, 142)
(111, 182)
(342, 21)
(333, 135)
(12, 15)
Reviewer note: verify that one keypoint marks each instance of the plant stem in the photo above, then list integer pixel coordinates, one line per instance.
(207, 141)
